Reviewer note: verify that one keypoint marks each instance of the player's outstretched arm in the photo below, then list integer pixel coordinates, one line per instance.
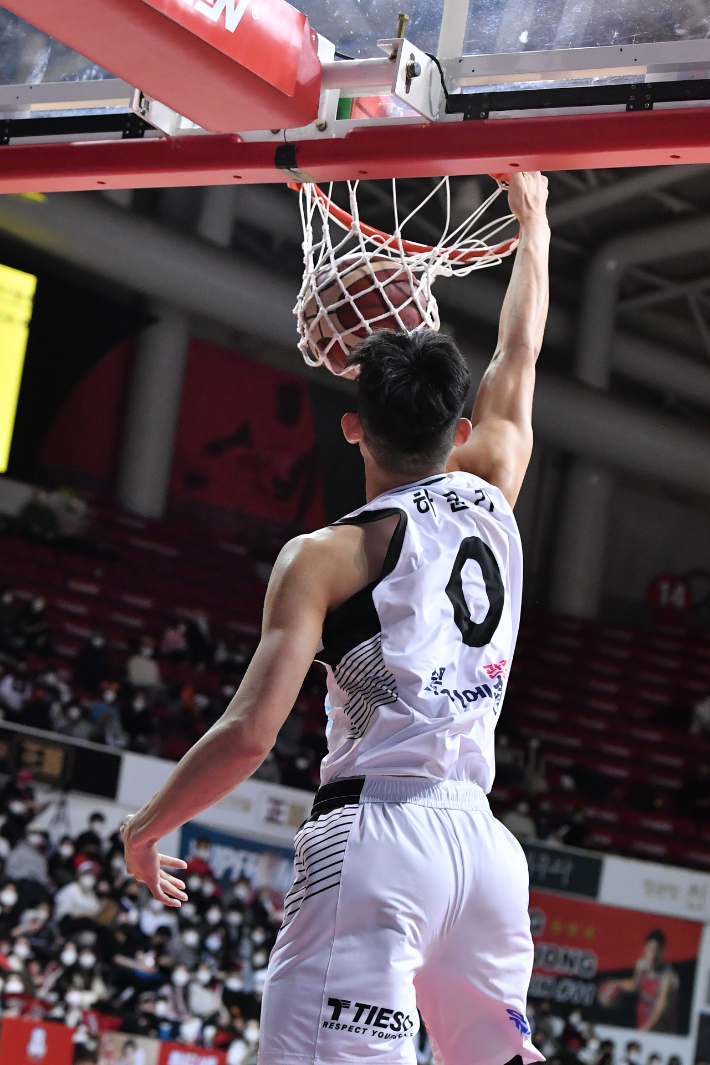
(499, 447)
(312, 574)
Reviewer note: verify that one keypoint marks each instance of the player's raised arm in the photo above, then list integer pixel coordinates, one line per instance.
(312, 575)
(499, 447)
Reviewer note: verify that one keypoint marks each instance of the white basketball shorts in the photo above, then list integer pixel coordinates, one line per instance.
(408, 896)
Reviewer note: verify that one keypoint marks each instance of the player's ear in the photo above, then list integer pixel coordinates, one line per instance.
(352, 428)
(463, 431)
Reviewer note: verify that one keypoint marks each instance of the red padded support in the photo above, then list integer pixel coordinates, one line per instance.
(557, 143)
(165, 60)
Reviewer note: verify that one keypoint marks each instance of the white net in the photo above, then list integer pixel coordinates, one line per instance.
(358, 279)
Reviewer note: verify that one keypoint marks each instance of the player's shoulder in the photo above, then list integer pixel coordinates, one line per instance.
(330, 543)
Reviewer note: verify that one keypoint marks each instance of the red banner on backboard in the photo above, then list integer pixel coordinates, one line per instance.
(265, 36)
(24, 1042)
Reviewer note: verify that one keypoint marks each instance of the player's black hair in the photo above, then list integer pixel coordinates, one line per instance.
(411, 393)
(657, 936)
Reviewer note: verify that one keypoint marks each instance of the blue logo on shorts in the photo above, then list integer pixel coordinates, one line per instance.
(519, 1020)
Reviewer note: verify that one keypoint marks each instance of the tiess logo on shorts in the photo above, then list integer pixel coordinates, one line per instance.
(362, 1018)
(519, 1020)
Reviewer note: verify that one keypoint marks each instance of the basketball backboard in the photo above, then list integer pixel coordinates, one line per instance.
(471, 86)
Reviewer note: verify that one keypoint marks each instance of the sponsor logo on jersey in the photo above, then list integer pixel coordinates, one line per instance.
(364, 1018)
(519, 1020)
(466, 698)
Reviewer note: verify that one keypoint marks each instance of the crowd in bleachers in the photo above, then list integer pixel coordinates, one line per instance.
(139, 641)
(565, 1038)
(139, 635)
(604, 739)
(84, 944)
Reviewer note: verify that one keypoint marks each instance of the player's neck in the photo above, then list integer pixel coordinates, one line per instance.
(378, 481)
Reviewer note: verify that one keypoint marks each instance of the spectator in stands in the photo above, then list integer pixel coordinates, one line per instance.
(15, 691)
(71, 721)
(200, 646)
(77, 904)
(105, 718)
(8, 614)
(519, 822)
(700, 721)
(90, 842)
(26, 860)
(33, 628)
(576, 833)
(299, 772)
(269, 770)
(142, 669)
(91, 665)
(632, 1054)
(38, 520)
(173, 643)
(61, 866)
(509, 762)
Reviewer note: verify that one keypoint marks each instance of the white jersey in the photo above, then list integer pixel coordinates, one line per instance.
(418, 661)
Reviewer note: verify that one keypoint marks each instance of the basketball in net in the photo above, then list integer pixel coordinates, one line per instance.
(361, 295)
(358, 279)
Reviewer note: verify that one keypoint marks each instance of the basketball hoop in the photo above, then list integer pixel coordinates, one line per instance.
(368, 279)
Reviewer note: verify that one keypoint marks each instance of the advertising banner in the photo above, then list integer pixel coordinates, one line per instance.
(177, 1054)
(232, 857)
(35, 1043)
(118, 1048)
(622, 968)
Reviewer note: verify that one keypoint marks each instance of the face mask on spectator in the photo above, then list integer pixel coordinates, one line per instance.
(260, 959)
(17, 808)
(213, 942)
(22, 950)
(203, 852)
(74, 713)
(139, 704)
(8, 897)
(14, 986)
(213, 915)
(97, 825)
(87, 960)
(194, 883)
(204, 976)
(235, 918)
(242, 892)
(188, 909)
(109, 697)
(147, 652)
(73, 997)
(155, 905)
(87, 881)
(66, 850)
(258, 936)
(68, 956)
(191, 938)
(234, 983)
(251, 1032)
(35, 840)
(208, 889)
(180, 977)
(117, 863)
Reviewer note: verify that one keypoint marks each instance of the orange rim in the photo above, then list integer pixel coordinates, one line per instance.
(380, 237)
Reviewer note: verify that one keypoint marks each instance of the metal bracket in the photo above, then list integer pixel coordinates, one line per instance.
(285, 161)
(640, 98)
(415, 78)
(134, 127)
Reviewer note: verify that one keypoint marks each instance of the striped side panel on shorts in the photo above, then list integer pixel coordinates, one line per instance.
(363, 675)
(320, 851)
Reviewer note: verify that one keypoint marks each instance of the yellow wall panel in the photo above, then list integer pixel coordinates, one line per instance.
(17, 291)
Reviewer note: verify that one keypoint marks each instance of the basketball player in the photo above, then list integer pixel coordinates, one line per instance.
(408, 893)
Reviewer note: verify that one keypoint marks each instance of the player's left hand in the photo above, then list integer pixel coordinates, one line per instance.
(145, 864)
